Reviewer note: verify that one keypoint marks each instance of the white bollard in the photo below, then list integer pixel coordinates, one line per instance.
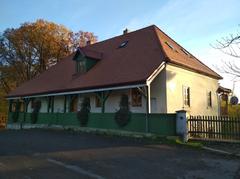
(181, 125)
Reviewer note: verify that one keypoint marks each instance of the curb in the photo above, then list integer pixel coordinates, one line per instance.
(120, 133)
(220, 151)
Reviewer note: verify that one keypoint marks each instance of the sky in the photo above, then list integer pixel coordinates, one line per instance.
(196, 25)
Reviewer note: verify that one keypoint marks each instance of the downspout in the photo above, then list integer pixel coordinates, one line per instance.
(148, 92)
(148, 107)
(149, 98)
(52, 104)
(102, 102)
(219, 104)
(26, 102)
(65, 103)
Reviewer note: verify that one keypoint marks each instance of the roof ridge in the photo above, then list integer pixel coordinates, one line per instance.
(160, 43)
(91, 45)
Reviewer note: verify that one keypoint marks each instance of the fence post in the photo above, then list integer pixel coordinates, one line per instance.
(181, 125)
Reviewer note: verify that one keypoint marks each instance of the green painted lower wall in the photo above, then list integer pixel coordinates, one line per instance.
(163, 124)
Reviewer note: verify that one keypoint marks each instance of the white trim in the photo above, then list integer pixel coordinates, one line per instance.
(155, 73)
(149, 99)
(79, 92)
(149, 81)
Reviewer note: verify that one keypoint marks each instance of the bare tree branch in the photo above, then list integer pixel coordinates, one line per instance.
(229, 45)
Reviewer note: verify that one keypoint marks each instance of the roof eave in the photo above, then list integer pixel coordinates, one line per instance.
(80, 90)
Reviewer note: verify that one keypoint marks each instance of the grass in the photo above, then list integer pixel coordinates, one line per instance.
(149, 137)
(190, 144)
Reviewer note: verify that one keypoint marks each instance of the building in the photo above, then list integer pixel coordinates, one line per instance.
(157, 74)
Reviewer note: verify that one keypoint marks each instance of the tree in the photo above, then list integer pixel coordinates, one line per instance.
(31, 47)
(81, 38)
(231, 46)
(34, 47)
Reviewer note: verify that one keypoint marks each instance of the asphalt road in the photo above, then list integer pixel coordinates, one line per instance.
(60, 154)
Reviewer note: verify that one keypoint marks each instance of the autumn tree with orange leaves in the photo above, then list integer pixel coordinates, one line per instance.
(32, 48)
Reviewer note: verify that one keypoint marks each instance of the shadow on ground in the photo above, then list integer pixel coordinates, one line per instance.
(19, 142)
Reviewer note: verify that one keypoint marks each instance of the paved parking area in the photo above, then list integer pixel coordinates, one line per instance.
(62, 154)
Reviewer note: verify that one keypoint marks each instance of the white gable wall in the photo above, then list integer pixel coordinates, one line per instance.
(158, 93)
(199, 85)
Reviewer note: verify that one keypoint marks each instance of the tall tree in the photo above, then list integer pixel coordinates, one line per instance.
(32, 48)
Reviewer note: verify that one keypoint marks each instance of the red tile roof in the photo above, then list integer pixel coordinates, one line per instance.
(91, 53)
(133, 64)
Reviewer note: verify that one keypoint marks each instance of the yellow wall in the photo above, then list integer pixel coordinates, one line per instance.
(158, 93)
(199, 85)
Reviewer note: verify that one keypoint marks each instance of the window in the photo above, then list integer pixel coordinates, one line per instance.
(21, 106)
(17, 106)
(185, 51)
(186, 96)
(169, 45)
(14, 106)
(209, 99)
(98, 102)
(136, 97)
(123, 44)
(73, 104)
(80, 66)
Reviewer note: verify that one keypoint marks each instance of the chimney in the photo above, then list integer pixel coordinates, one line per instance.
(88, 42)
(125, 31)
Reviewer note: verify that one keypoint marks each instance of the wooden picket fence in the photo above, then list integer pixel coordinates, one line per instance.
(220, 128)
(3, 121)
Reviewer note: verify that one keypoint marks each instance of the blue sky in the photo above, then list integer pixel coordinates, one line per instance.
(193, 24)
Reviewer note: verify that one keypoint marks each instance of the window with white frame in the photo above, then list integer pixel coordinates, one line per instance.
(186, 96)
(209, 99)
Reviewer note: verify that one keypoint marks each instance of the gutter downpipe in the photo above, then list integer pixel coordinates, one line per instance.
(148, 92)
(148, 108)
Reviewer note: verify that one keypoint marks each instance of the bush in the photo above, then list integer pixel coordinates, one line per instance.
(36, 108)
(123, 115)
(15, 114)
(83, 114)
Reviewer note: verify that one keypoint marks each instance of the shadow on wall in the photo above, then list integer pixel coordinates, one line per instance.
(170, 75)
